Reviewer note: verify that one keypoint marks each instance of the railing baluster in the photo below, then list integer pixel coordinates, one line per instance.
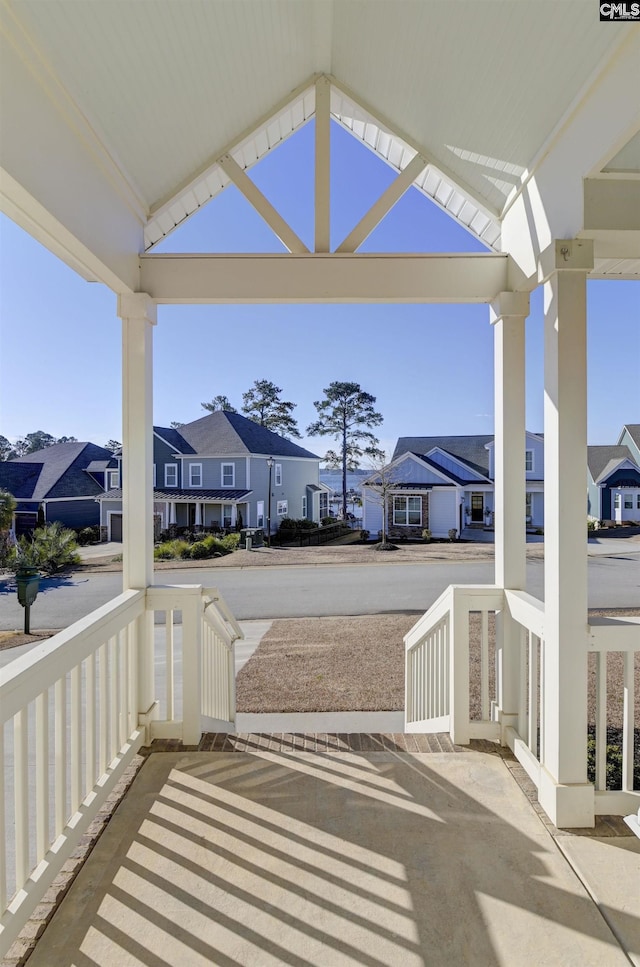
(171, 711)
(60, 699)
(628, 722)
(90, 719)
(122, 687)
(601, 720)
(3, 829)
(113, 700)
(532, 739)
(42, 775)
(103, 736)
(76, 740)
(542, 752)
(525, 637)
(21, 793)
(484, 664)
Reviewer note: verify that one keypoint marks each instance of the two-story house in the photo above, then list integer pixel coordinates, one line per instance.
(214, 474)
(446, 483)
(613, 482)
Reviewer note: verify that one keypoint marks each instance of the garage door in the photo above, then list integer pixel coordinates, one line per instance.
(115, 527)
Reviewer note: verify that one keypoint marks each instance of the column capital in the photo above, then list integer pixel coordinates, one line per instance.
(509, 304)
(137, 305)
(565, 255)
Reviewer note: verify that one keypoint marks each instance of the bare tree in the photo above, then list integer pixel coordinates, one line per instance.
(380, 485)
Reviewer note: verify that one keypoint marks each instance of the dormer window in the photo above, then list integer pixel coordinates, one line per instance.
(114, 479)
(528, 461)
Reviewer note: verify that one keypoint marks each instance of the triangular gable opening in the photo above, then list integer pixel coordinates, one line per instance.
(410, 168)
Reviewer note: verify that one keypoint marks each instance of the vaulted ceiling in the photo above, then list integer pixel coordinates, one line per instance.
(164, 89)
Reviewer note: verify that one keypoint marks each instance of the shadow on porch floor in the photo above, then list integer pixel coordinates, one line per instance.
(279, 853)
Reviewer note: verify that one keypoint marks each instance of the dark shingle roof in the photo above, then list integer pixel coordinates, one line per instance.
(226, 433)
(63, 470)
(458, 478)
(174, 438)
(633, 429)
(192, 495)
(604, 459)
(470, 449)
(19, 479)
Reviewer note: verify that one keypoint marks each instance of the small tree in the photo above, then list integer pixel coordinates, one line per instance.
(6, 449)
(346, 413)
(263, 405)
(113, 445)
(380, 486)
(7, 509)
(218, 403)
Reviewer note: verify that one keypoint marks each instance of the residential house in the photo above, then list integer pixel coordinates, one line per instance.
(444, 483)
(59, 483)
(613, 482)
(213, 474)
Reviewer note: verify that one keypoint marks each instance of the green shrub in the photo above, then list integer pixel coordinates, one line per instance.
(171, 550)
(230, 542)
(453, 534)
(364, 535)
(288, 524)
(199, 550)
(327, 520)
(51, 548)
(88, 535)
(426, 535)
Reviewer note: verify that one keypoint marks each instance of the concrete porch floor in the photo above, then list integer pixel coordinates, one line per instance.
(278, 855)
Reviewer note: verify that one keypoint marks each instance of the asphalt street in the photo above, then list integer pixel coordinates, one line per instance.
(298, 591)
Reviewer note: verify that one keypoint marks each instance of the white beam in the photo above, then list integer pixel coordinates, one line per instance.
(220, 279)
(612, 204)
(384, 204)
(323, 165)
(549, 204)
(58, 181)
(262, 205)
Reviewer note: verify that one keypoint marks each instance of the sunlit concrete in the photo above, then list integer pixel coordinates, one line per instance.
(282, 858)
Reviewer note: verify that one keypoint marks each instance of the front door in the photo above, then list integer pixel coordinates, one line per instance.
(477, 508)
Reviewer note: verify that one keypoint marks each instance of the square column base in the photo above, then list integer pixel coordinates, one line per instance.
(146, 718)
(567, 806)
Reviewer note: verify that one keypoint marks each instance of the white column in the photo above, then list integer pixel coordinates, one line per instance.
(198, 520)
(508, 314)
(564, 793)
(138, 314)
(172, 512)
(234, 514)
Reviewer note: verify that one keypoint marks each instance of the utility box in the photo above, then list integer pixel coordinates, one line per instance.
(252, 537)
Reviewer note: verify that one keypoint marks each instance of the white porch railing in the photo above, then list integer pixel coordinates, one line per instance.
(442, 646)
(69, 720)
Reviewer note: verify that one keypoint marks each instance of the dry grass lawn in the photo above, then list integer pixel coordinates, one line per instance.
(357, 664)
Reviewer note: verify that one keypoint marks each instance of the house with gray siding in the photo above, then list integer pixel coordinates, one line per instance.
(59, 483)
(444, 483)
(613, 482)
(213, 474)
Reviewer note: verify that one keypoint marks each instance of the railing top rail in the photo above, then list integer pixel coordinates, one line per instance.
(526, 610)
(26, 677)
(476, 596)
(214, 595)
(216, 622)
(614, 634)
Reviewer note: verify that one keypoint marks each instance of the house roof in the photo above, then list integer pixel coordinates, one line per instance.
(19, 479)
(190, 495)
(223, 433)
(469, 449)
(98, 466)
(602, 461)
(63, 470)
(633, 429)
(173, 438)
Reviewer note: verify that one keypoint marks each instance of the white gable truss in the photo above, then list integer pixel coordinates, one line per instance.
(622, 463)
(324, 98)
(467, 471)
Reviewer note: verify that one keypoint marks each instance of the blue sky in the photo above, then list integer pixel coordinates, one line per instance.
(430, 367)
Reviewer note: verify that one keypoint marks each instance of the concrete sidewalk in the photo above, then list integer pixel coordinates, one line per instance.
(291, 857)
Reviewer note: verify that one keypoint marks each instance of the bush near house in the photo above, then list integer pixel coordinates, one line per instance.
(50, 549)
(88, 535)
(196, 550)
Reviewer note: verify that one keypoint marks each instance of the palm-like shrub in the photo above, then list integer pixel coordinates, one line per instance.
(51, 548)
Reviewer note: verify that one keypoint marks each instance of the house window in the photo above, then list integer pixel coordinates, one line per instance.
(260, 513)
(228, 474)
(278, 475)
(638, 501)
(628, 501)
(528, 508)
(195, 475)
(154, 475)
(304, 508)
(407, 510)
(226, 515)
(113, 479)
(324, 504)
(617, 501)
(283, 508)
(171, 475)
(528, 460)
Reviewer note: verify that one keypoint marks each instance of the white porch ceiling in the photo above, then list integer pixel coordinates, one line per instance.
(477, 89)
